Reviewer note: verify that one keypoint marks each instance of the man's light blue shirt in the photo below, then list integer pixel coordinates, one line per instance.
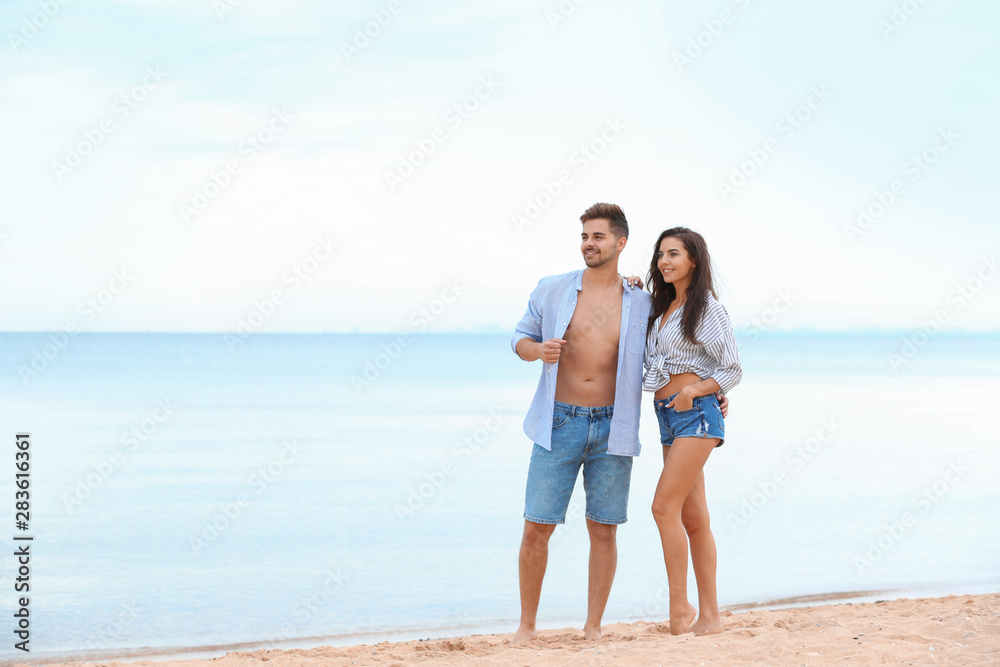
(550, 310)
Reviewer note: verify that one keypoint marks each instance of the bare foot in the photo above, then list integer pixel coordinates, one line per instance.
(525, 633)
(680, 622)
(706, 627)
(592, 633)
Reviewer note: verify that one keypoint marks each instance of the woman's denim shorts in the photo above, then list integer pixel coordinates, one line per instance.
(703, 420)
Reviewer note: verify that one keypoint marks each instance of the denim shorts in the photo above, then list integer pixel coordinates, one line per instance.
(703, 420)
(579, 438)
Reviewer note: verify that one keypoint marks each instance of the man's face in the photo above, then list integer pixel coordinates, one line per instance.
(598, 245)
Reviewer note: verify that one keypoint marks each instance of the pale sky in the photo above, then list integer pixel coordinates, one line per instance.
(118, 113)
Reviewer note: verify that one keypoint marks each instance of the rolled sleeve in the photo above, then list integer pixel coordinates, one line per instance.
(726, 355)
(530, 325)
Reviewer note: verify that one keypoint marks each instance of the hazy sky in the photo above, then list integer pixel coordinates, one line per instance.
(180, 165)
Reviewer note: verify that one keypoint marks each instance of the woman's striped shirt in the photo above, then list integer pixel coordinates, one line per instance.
(715, 355)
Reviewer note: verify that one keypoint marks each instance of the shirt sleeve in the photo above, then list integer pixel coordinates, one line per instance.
(728, 372)
(530, 325)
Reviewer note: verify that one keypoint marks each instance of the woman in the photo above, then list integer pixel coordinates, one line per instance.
(689, 337)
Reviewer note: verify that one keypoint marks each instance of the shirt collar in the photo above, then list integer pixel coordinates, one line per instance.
(579, 282)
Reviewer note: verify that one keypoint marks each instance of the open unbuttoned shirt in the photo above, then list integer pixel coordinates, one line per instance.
(550, 310)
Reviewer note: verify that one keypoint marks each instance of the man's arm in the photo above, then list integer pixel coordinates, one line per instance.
(528, 349)
(529, 329)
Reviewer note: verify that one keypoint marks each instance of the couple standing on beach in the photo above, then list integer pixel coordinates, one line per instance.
(594, 332)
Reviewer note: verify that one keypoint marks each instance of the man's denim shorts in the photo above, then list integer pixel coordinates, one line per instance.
(703, 420)
(579, 437)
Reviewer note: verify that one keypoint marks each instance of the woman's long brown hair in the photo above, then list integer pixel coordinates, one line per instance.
(701, 281)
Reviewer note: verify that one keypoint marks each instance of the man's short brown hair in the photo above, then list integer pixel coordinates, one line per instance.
(610, 212)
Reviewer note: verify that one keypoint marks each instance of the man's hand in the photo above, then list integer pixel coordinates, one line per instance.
(548, 351)
(723, 404)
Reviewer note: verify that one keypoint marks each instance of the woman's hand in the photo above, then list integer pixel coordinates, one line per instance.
(634, 281)
(682, 402)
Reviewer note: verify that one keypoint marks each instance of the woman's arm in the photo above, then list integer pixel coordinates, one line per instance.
(684, 400)
(724, 351)
(728, 371)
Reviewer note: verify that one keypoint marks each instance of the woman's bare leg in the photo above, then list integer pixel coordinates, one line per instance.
(681, 470)
(694, 516)
(689, 615)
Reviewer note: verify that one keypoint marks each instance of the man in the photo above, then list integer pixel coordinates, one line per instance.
(589, 329)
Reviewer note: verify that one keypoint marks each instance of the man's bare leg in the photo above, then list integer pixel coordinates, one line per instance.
(680, 472)
(532, 560)
(603, 561)
(694, 516)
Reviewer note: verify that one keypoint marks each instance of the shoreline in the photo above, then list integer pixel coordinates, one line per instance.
(497, 631)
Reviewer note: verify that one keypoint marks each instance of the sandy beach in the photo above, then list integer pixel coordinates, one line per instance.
(952, 630)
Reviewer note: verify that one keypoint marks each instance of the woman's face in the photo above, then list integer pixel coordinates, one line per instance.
(672, 260)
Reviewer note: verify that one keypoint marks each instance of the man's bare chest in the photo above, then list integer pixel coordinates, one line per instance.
(595, 316)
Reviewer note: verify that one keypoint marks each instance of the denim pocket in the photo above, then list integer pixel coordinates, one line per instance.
(559, 418)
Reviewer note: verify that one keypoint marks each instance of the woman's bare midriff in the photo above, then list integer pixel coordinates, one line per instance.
(677, 382)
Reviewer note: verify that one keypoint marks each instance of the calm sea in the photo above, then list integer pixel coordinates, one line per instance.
(329, 489)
